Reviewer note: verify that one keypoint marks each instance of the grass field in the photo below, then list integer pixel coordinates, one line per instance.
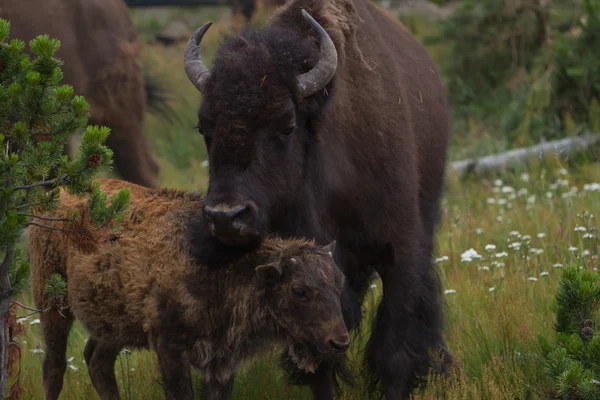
(500, 249)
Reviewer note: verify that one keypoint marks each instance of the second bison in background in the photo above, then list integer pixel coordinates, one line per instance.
(161, 282)
(103, 63)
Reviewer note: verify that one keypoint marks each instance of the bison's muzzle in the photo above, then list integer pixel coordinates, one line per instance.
(233, 224)
(337, 343)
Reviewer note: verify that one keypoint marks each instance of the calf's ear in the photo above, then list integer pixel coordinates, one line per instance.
(269, 272)
(330, 248)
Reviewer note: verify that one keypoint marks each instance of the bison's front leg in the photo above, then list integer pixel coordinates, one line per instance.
(175, 370)
(406, 332)
(215, 390)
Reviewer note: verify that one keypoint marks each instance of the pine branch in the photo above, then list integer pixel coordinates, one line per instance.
(19, 207)
(53, 182)
(52, 228)
(26, 307)
(44, 218)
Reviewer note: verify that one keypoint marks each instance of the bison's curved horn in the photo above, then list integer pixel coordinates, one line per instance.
(195, 69)
(314, 80)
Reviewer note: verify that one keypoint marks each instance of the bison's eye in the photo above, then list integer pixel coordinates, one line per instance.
(299, 292)
(289, 131)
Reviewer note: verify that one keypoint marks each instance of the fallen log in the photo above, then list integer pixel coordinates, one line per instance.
(509, 159)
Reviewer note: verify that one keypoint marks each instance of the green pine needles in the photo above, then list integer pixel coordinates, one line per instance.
(37, 117)
(572, 360)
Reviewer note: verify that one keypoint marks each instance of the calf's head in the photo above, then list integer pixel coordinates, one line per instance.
(302, 290)
(260, 101)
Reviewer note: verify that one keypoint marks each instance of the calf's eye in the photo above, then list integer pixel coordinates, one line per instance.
(298, 292)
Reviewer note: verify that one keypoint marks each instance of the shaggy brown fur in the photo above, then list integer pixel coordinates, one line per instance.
(103, 63)
(141, 288)
(362, 160)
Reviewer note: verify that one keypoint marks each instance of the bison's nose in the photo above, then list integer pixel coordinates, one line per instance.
(340, 343)
(232, 224)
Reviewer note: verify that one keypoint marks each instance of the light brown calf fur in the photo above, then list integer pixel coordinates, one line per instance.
(144, 287)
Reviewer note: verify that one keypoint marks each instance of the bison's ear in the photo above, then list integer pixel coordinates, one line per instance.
(269, 272)
(330, 248)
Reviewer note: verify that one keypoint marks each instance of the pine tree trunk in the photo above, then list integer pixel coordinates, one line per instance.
(4, 305)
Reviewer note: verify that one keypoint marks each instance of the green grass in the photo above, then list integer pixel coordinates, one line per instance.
(492, 331)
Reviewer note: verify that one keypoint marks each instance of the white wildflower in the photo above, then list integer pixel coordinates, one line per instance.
(514, 233)
(373, 286)
(592, 187)
(512, 196)
(501, 254)
(580, 229)
(544, 273)
(566, 195)
(478, 231)
(498, 264)
(483, 268)
(507, 189)
(563, 171)
(204, 164)
(491, 200)
(549, 195)
(536, 251)
(515, 245)
(526, 237)
(469, 255)
(490, 247)
(441, 259)
(553, 186)
(491, 289)
(522, 192)
(557, 265)
(572, 249)
(589, 236)
(562, 182)
(531, 199)
(498, 182)
(74, 368)
(585, 253)
(525, 177)
(502, 201)
(36, 351)
(449, 291)
(34, 322)
(541, 235)
(531, 278)
(499, 218)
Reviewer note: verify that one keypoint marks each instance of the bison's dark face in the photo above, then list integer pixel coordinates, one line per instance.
(256, 120)
(303, 291)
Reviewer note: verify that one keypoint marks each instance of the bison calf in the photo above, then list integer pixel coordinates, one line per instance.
(162, 282)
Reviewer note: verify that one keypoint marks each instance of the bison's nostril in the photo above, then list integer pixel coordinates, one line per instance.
(230, 222)
(341, 343)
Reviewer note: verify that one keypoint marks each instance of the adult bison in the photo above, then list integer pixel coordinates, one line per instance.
(342, 137)
(102, 63)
